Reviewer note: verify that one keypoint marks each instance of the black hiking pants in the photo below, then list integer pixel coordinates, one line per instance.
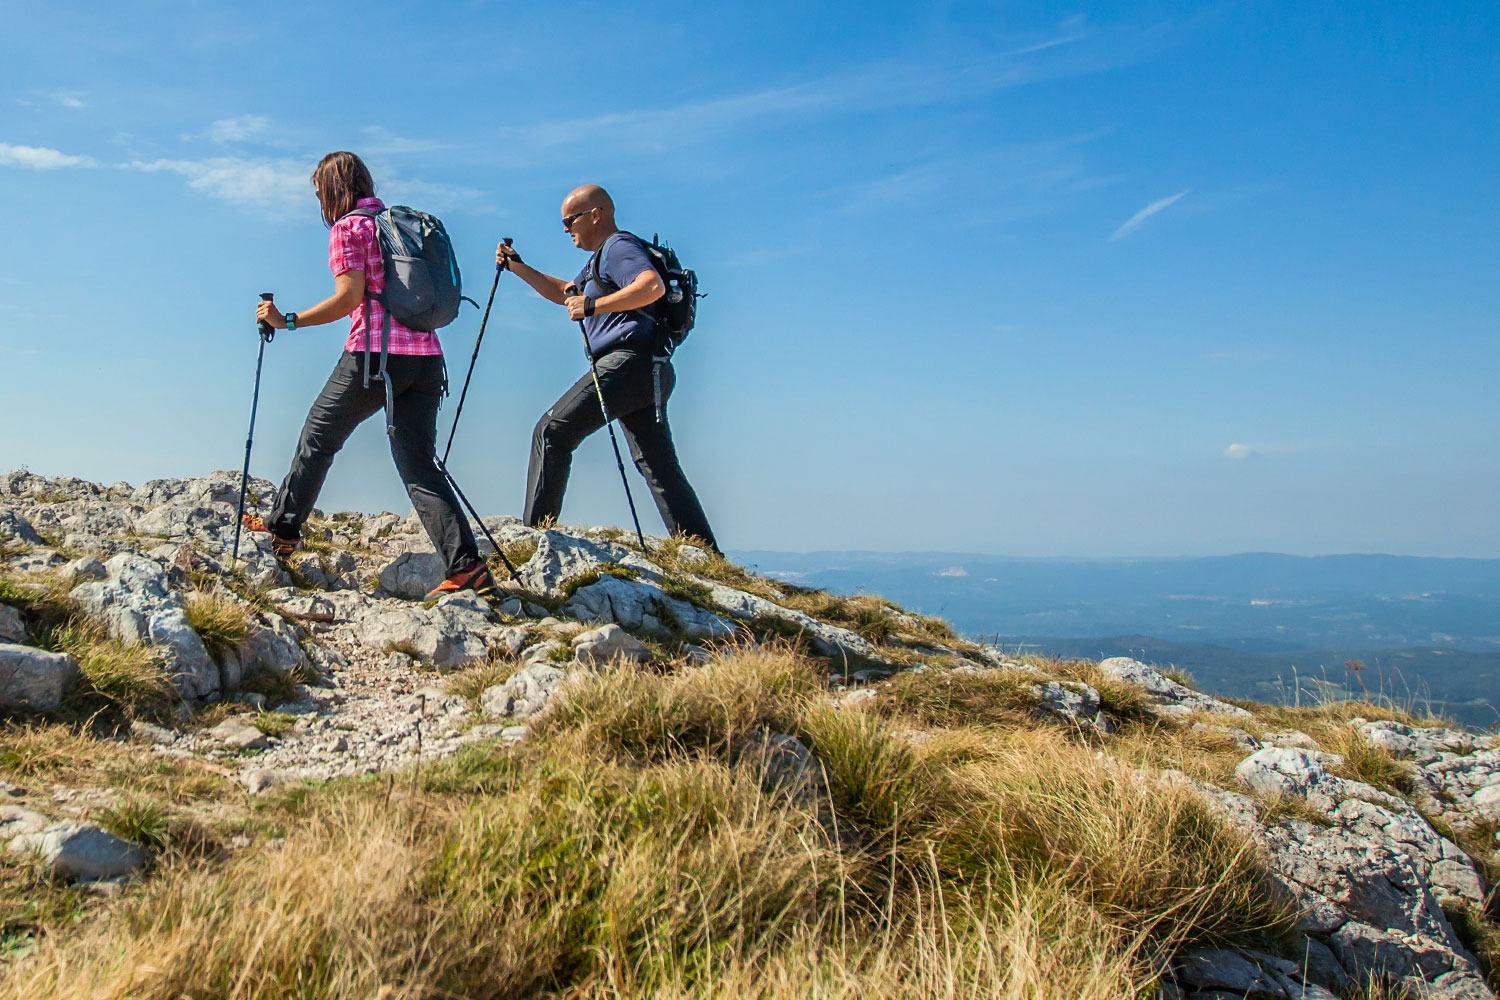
(625, 379)
(417, 382)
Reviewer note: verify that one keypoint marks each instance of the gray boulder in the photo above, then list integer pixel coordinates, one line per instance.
(33, 679)
(14, 527)
(15, 821)
(609, 644)
(645, 607)
(12, 628)
(525, 693)
(1075, 702)
(237, 734)
(561, 557)
(1368, 814)
(411, 575)
(81, 853)
(1228, 970)
(140, 608)
(449, 636)
(1167, 696)
(826, 640)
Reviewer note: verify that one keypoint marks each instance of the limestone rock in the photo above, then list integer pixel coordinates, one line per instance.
(33, 679)
(644, 606)
(305, 607)
(81, 853)
(14, 527)
(1226, 969)
(411, 575)
(84, 569)
(525, 694)
(140, 608)
(12, 628)
(237, 734)
(15, 821)
(561, 557)
(1168, 697)
(786, 765)
(449, 636)
(826, 640)
(607, 645)
(1076, 702)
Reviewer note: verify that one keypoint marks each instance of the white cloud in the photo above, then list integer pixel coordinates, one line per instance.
(41, 158)
(258, 182)
(69, 98)
(1135, 221)
(240, 129)
(1239, 450)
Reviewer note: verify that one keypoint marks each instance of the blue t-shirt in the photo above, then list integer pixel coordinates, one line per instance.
(621, 262)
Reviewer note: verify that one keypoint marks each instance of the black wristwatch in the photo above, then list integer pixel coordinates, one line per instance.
(588, 305)
(291, 321)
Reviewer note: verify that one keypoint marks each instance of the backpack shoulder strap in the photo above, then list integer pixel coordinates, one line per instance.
(598, 258)
(385, 331)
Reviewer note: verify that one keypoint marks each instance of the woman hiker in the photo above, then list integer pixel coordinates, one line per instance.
(414, 367)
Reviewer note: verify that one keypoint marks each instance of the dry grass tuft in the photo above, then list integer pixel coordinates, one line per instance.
(633, 712)
(222, 622)
(626, 852)
(948, 699)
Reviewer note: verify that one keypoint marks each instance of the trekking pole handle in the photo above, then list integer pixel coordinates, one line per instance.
(510, 242)
(266, 332)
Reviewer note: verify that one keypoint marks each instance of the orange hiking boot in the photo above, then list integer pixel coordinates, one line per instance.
(476, 577)
(280, 547)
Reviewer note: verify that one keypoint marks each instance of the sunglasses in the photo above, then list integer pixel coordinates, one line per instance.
(568, 220)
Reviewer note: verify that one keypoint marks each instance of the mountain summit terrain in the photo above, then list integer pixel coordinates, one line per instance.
(659, 774)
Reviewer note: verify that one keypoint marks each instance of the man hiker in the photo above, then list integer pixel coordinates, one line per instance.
(611, 297)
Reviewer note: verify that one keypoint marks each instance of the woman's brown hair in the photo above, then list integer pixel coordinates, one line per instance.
(341, 180)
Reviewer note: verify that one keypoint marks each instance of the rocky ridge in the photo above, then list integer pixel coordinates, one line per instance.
(344, 670)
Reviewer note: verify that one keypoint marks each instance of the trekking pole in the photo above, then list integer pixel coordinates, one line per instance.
(475, 514)
(477, 341)
(267, 334)
(619, 462)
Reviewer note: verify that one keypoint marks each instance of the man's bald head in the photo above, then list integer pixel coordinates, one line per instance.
(588, 196)
(588, 214)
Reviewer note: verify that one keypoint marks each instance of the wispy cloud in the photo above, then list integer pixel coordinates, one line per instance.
(41, 158)
(913, 80)
(242, 128)
(257, 182)
(1138, 219)
(381, 141)
(69, 98)
(1240, 451)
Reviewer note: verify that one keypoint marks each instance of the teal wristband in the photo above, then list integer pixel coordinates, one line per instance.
(291, 321)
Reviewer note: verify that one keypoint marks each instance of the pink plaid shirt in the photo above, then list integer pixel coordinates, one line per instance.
(353, 246)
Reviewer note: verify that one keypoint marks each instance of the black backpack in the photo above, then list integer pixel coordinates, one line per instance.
(677, 310)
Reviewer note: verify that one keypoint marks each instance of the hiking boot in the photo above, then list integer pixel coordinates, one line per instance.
(281, 548)
(476, 577)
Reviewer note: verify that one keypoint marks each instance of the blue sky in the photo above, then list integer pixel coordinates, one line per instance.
(1015, 278)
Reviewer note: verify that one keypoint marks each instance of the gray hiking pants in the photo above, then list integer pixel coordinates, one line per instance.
(625, 379)
(417, 382)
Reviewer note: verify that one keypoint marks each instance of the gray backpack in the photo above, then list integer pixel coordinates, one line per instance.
(423, 288)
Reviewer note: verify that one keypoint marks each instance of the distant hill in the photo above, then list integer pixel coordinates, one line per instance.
(1426, 630)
